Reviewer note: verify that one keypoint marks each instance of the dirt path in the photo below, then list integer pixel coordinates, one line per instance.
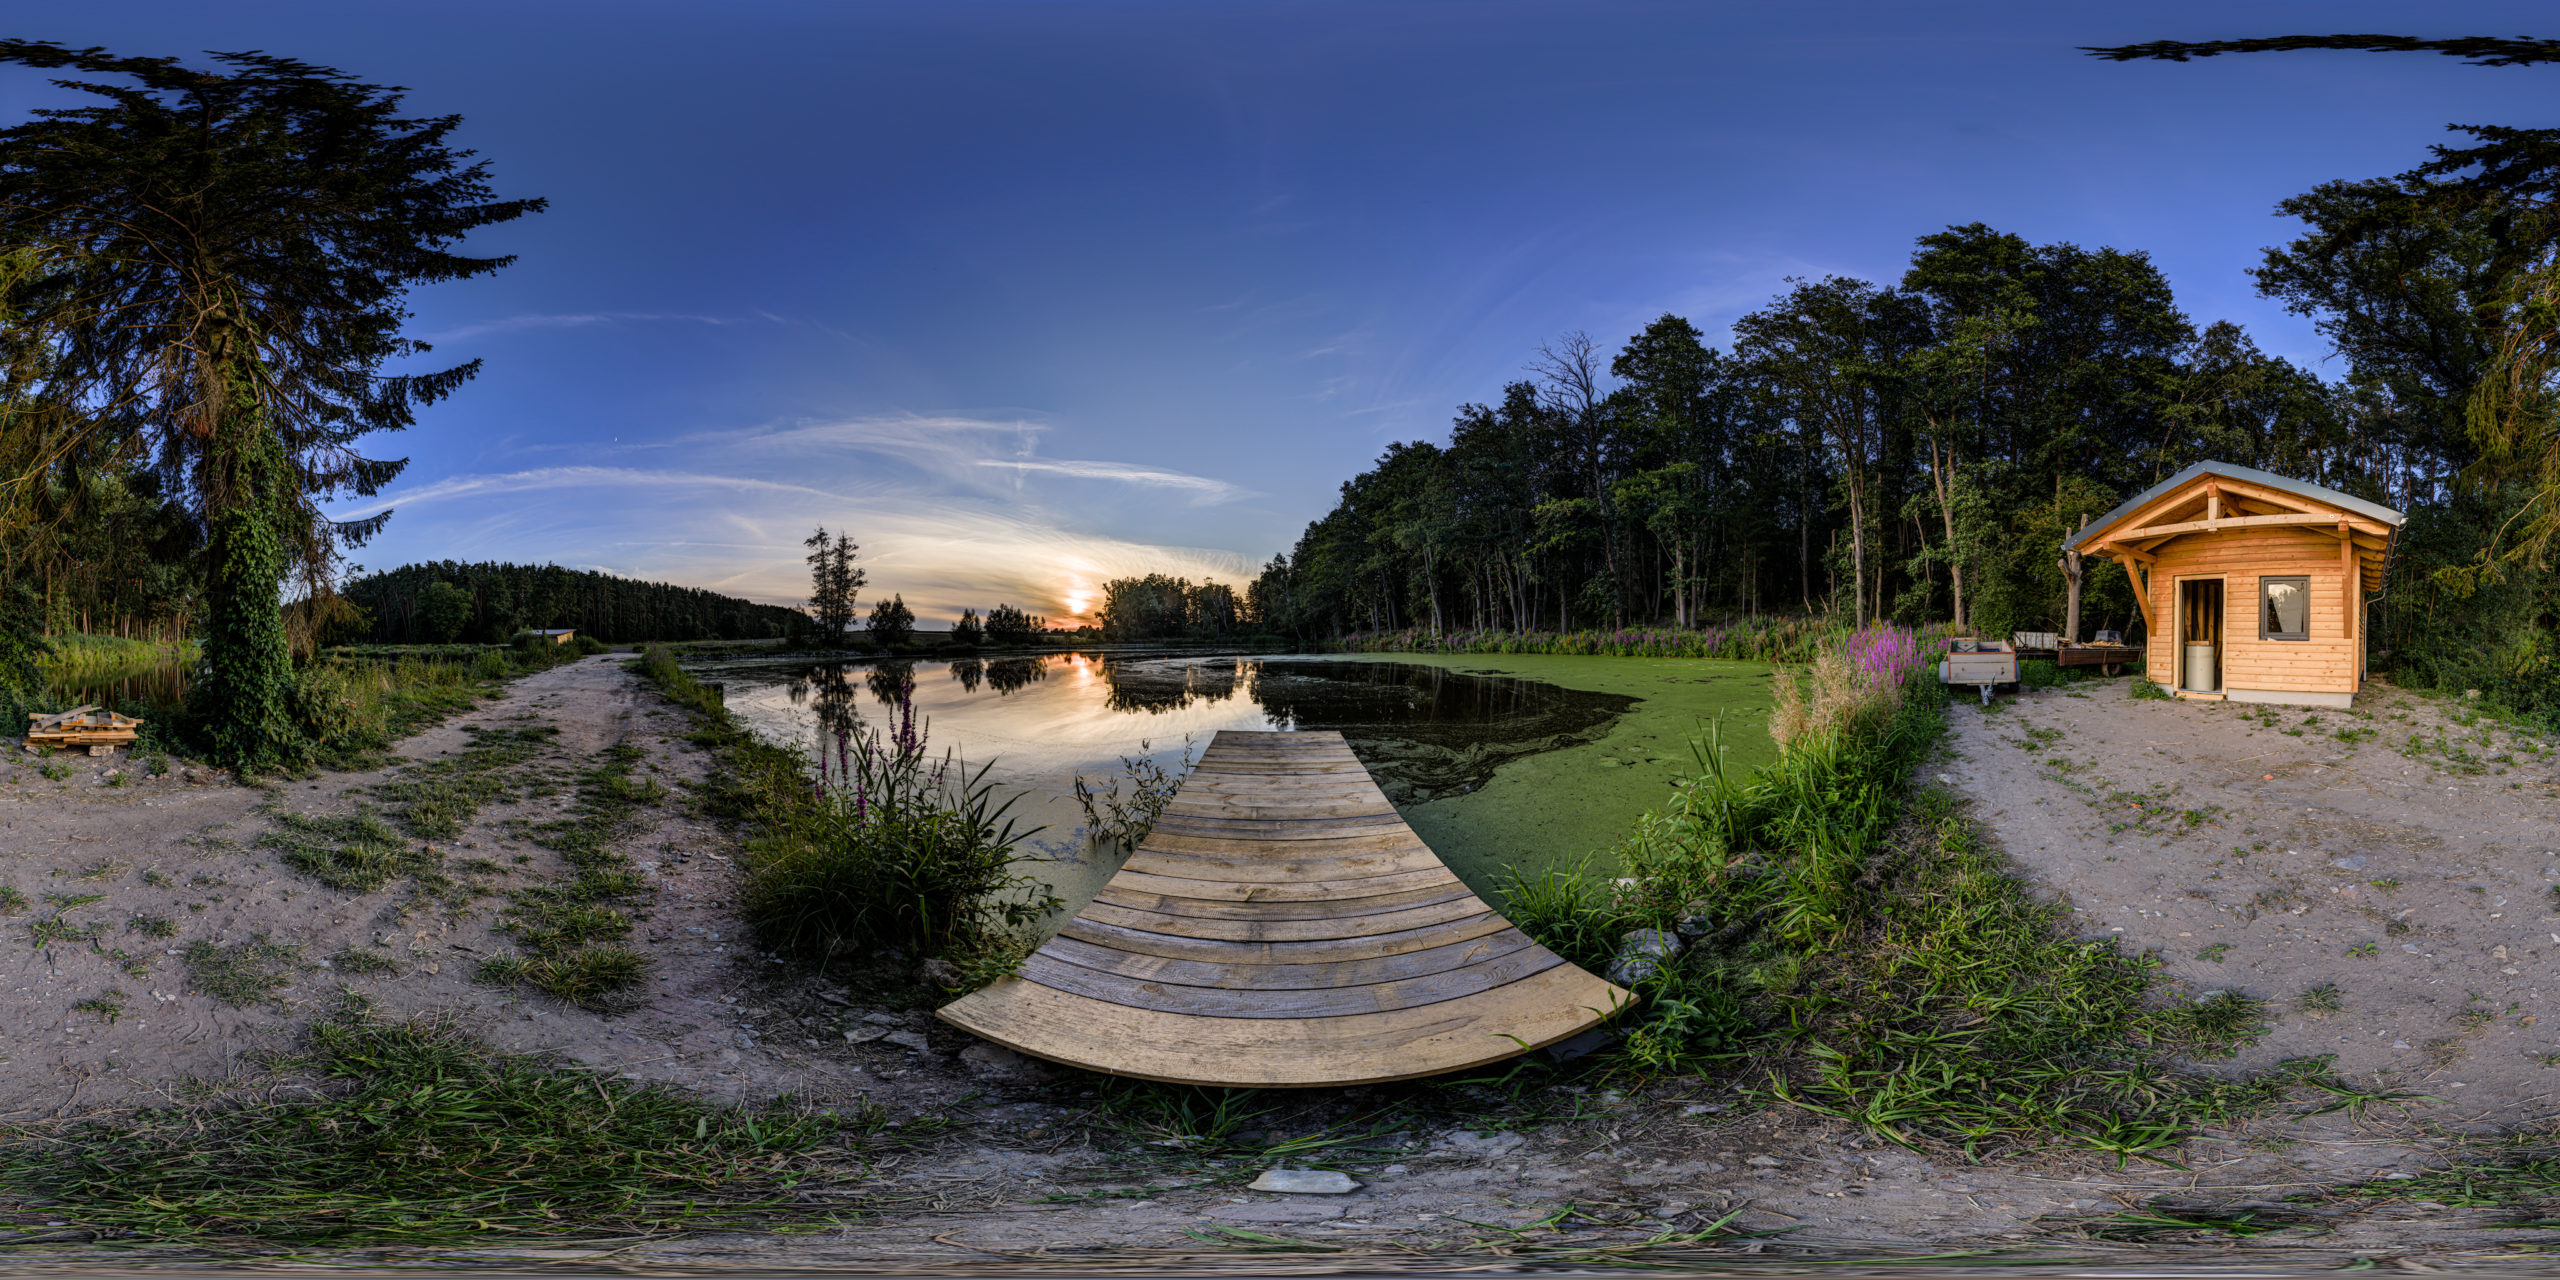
(99, 854)
(2384, 877)
(1041, 1160)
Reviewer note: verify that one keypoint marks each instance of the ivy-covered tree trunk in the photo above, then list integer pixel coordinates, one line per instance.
(243, 696)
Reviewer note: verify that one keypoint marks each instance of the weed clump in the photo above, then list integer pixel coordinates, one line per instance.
(242, 974)
(353, 853)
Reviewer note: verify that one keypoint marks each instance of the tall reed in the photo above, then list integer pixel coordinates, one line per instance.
(1750, 640)
(892, 847)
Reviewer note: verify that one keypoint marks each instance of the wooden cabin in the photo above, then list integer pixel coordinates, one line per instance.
(2252, 586)
(556, 635)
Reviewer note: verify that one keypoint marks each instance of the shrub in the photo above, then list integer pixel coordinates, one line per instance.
(324, 706)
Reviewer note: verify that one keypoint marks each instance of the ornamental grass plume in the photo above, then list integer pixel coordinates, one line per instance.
(1856, 684)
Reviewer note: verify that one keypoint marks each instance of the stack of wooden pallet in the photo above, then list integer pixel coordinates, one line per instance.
(101, 732)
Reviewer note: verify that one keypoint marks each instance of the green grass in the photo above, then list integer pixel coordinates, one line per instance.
(1868, 958)
(13, 901)
(2161, 1225)
(153, 926)
(2530, 1183)
(105, 1008)
(411, 1131)
(243, 974)
(569, 936)
(435, 800)
(54, 930)
(352, 853)
(387, 693)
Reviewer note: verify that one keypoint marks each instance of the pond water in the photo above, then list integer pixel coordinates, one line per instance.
(141, 690)
(1497, 762)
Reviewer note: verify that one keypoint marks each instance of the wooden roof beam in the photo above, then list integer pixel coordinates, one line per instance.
(2311, 520)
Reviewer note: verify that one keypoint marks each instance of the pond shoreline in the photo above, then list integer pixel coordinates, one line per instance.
(1504, 763)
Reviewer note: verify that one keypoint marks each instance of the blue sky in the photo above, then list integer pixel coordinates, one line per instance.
(1032, 294)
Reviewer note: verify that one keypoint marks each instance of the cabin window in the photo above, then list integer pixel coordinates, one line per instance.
(2284, 608)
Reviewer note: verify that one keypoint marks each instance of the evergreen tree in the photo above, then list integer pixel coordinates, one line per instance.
(968, 631)
(233, 247)
(834, 583)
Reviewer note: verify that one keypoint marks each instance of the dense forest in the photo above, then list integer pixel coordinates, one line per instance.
(1916, 451)
(446, 600)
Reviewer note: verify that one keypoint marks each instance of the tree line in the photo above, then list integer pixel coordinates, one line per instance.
(447, 600)
(1917, 450)
(1912, 451)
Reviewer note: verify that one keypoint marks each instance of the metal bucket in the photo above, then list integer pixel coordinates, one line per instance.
(2200, 675)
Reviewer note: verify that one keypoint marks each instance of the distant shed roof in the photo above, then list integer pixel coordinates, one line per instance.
(2371, 510)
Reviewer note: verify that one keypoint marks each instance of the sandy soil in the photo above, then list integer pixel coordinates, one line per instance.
(2392, 852)
(1034, 1165)
(184, 847)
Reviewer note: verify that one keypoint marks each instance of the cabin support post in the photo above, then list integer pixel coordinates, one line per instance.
(2350, 578)
(2212, 502)
(2141, 595)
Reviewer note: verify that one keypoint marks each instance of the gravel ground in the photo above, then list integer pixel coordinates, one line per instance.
(2383, 877)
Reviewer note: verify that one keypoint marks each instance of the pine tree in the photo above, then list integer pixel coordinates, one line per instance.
(968, 631)
(231, 249)
(834, 583)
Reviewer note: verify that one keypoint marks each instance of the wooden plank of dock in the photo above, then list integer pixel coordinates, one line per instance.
(1281, 926)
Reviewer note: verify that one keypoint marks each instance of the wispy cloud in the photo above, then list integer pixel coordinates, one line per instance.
(480, 486)
(1209, 490)
(943, 551)
(574, 320)
(959, 450)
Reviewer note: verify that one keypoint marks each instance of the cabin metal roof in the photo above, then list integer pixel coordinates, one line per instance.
(2345, 502)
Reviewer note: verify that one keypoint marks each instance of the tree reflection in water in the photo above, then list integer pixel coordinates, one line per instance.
(1156, 687)
(1005, 675)
(831, 694)
(1426, 731)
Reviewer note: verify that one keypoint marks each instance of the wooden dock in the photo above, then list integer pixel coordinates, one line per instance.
(1281, 926)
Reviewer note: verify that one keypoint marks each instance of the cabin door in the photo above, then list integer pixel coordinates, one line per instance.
(2200, 635)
